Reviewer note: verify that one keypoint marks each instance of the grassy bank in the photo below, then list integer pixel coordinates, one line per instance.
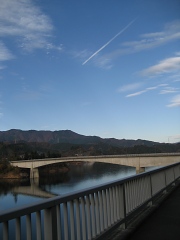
(7, 171)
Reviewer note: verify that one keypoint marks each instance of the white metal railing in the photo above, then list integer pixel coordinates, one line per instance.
(89, 213)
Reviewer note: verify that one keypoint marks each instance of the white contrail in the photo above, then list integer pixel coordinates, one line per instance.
(109, 41)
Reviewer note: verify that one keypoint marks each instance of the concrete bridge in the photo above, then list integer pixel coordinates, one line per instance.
(139, 161)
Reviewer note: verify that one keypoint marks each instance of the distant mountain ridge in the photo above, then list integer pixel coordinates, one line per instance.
(65, 136)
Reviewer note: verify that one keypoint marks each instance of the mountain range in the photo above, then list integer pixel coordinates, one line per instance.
(22, 145)
(66, 136)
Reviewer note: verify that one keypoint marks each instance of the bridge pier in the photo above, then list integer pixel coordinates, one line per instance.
(34, 182)
(140, 170)
(34, 173)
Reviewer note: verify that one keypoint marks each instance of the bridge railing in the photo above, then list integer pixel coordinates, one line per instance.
(90, 213)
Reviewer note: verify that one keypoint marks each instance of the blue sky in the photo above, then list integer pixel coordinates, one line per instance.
(105, 68)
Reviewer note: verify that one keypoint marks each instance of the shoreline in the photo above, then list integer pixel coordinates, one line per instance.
(24, 175)
(12, 175)
(43, 171)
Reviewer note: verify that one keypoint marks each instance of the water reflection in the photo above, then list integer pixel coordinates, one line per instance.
(15, 193)
(7, 186)
(84, 176)
(32, 190)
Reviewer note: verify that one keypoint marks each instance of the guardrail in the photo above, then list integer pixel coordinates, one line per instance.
(90, 213)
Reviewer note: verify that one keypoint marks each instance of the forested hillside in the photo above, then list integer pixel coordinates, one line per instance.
(20, 151)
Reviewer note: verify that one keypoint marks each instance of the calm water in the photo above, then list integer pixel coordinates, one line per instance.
(16, 193)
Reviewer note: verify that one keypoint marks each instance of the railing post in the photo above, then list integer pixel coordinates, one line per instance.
(58, 214)
(88, 217)
(117, 202)
(65, 221)
(174, 177)
(54, 222)
(111, 206)
(5, 231)
(165, 180)
(38, 225)
(122, 206)
(72, 220)
(50, 224)
(114, 205)
(97, 213)
(18, 228)
(83, 218)
(101, 212)
(47, 225)
(93, 219)
(104, 208)
(28, 227)
(108, 208)
(78, 219)
(150, 189)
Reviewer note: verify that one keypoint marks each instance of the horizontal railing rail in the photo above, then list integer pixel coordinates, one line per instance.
(89, 213)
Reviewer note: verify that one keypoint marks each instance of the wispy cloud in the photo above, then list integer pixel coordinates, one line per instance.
(129, 87)
(5, 54)
(102, 62)
(170, 32)
(151, 88)
(142, 91)
(165, 66)
(175, 101)
(163, 85)
(106, 44)
(82, 54)
(25, 21)
(164, 89)
(136, 93)
(169, 90)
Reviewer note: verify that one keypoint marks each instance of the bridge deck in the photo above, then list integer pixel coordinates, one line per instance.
(162, 224)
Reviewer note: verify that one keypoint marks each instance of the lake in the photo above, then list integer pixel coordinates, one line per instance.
(18, 193)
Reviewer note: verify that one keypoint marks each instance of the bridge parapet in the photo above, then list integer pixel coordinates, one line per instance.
(90, 213)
